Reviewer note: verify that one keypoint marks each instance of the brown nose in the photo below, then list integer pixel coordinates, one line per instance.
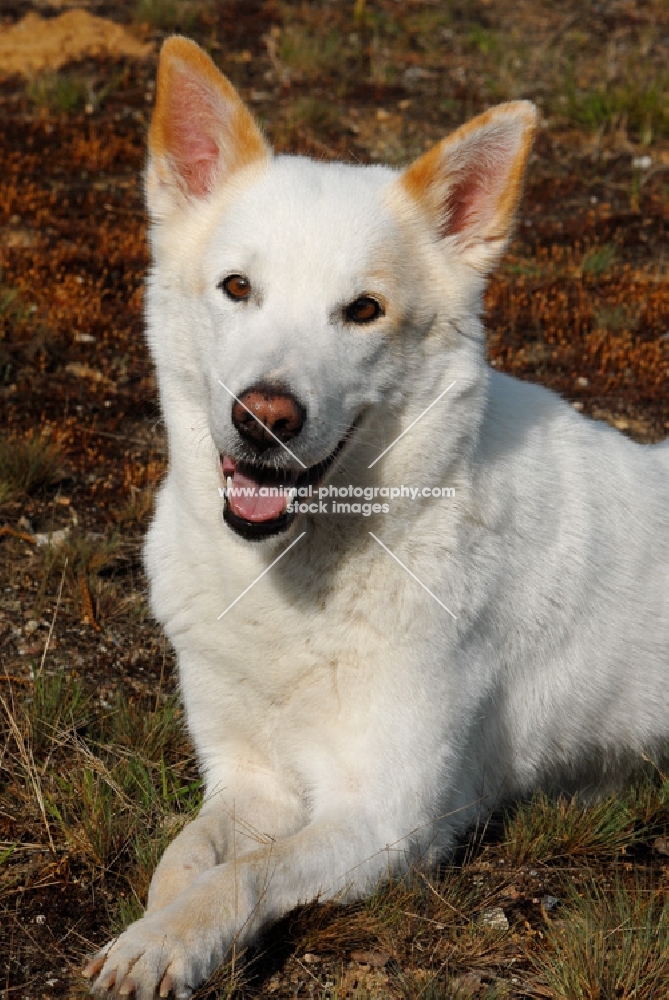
(260, 411)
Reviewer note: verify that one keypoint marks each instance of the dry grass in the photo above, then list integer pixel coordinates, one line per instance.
(613, 941)
(168, 15)
(28, 464)
(60, 93)
(103, 792)
(99, 792)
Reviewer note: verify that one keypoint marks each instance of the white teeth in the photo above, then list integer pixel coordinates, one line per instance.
(228, 483)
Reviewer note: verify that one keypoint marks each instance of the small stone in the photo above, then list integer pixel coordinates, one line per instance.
(415, 73)
(375, 959)
(53, 538)
(496, 918)
(33, 650)
(80, 370)
(549, 903)
(661, 845)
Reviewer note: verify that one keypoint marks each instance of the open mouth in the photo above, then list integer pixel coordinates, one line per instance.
(258, 497)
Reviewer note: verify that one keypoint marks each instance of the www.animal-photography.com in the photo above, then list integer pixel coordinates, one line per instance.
(334, 363)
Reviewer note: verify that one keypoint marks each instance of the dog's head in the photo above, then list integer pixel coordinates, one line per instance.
(291, 299)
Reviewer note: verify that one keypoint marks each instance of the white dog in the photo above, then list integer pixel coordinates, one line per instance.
(360, 685)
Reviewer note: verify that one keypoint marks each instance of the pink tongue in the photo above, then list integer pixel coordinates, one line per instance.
(247, 501)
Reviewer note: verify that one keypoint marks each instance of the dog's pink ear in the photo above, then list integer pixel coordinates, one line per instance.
(470, 183)
(201, 131)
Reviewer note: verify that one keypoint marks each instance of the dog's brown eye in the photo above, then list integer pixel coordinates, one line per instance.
(236, 287)
(363, 310)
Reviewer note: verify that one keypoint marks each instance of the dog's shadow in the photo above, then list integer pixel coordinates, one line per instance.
(332, 930)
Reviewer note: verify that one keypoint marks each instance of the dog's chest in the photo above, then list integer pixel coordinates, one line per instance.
(327, 719)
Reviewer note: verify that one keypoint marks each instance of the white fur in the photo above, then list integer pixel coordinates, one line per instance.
(344, 722)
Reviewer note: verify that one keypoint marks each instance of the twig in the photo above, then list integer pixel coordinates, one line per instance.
(55, 613)
(88, 614)
(23, 535)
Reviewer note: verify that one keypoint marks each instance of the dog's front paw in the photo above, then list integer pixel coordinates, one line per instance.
(158, 956)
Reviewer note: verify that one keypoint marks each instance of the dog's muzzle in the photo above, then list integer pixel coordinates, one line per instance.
(259, 499)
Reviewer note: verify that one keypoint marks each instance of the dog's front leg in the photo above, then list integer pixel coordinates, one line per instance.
(255, 807)
(202, 844)
(174, 949)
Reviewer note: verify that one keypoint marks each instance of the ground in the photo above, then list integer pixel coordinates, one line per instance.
(96, 773)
